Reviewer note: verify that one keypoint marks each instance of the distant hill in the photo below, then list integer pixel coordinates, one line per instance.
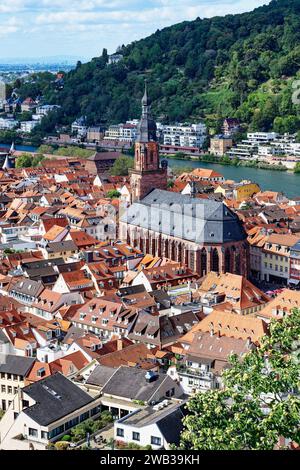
(237, 65)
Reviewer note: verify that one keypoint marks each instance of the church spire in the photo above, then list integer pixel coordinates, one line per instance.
(147, 126)
(145, 104)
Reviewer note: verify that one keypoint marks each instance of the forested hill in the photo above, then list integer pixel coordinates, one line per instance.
(238, 65)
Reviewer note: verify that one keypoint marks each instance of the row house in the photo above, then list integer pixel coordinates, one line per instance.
(276, 258)
(13, 373)
(49, 302)
(98, 316)
(166, 276)
(26, 291)
(283, 304)
(235, 292)
(65, 249)
(22, 341)
(204, 351)
(73, 281)
(160, 330)
(295, 264)
(102, 276)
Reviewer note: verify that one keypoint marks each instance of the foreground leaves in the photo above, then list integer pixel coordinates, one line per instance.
(260, 401)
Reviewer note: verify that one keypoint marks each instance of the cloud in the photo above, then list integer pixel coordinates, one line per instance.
(12, 25)
(104, 22)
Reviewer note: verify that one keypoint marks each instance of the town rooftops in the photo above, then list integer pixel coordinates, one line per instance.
(168, 420)
(82, 239)
(231, 325)
(285, 240)
(55, 397)
(16, 365)
(216, 347)
(131, 383)
(59, 247)
(54, 232)
(100, 376)
(240, 292)
(204, 173)
(28, 287)
(282, 305)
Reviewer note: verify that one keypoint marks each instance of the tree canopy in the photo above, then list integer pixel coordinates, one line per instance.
(122, 166)
(260, 401)
(26, 160)
(241, 66)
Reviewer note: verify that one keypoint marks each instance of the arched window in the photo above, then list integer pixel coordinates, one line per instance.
(227, 261)
(237, 263)
(153, 247)
(215, 261)
(142, 243)
(166, 248)
(173, 254)
(147, 243)
(203, 262)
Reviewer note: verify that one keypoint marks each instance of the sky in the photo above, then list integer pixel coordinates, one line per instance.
(82, 28)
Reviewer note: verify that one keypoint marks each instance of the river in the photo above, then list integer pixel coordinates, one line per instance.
(20, 148)
(284, 181)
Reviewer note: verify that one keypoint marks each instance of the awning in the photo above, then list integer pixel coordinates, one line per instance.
(294, 281)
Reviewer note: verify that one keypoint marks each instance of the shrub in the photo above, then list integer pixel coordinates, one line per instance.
(61, 445)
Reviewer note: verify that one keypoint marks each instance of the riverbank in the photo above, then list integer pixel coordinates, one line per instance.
(271, 180)
(226, 161)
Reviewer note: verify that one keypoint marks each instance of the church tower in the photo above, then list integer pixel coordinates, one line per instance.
(147, 173)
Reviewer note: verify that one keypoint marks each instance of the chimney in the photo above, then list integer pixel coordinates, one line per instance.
(119, 345)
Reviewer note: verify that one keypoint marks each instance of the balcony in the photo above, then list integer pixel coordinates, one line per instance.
(183, 369)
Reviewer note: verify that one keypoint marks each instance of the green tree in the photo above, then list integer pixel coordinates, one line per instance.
(45, 149)
(260, 401)
(105, 55)
(122, 166)
(297, 168)
(113, 194)
(26, 160)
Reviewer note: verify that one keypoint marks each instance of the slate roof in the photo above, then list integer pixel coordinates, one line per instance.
(196, 220)
(17, 365)
(130, 383)
(171, 426)
(28, 287)
(42, 263)
(100, 375)
(55, 397)
(57, 247)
